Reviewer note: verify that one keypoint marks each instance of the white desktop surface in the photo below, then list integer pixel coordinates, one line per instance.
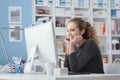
(59, 77)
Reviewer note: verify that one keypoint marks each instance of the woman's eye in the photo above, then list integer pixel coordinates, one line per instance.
(72, 29)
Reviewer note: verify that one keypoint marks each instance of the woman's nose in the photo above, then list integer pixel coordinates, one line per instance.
(69, 34)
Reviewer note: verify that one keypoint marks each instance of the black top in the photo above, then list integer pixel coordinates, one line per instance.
(86, 58)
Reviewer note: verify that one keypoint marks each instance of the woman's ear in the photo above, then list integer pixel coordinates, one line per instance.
(82, 32)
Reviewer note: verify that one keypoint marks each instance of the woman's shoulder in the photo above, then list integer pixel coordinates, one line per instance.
(91, 44)
(90, 40)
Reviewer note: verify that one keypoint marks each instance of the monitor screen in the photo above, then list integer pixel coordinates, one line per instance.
(44, 38)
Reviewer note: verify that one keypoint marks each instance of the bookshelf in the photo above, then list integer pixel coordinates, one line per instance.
(100, 20)
(104, 15)
(115, 30)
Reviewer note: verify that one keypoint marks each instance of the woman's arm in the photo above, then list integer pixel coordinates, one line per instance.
(66, 62)
(88, 51)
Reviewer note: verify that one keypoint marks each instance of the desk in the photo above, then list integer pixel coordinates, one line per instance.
(59, 77)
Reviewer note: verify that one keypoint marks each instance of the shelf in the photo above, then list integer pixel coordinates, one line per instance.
(64, 16)
(115, 52)
(115, 17)
(115, 35)
(84, 8)
(102, 35)
(116, 8)
(38, 15)
(82, 16)
(48, 6)
(100, 17)
(100, 8)
(63, 6)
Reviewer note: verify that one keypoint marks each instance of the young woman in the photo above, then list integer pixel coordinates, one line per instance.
(83, 54)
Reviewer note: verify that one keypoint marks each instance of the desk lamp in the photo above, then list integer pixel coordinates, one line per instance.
(8, 66)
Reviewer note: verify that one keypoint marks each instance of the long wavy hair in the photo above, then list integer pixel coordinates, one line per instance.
(89, 29)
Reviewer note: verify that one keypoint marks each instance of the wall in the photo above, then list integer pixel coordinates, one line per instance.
(14, 48)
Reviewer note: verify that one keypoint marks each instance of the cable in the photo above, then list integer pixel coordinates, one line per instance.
(4, 47)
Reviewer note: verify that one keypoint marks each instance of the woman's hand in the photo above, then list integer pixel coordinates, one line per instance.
(71, 42)
(76, 40)
(68, 38)
(67, 42)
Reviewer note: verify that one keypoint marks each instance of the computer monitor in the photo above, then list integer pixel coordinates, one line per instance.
(43, 37)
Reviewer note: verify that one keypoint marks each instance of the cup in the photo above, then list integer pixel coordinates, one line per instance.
(49, 67)
(19, 68)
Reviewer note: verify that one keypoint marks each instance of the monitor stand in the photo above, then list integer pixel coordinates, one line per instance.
(33, 63)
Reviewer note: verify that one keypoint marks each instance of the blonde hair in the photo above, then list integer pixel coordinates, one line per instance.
(89, 29)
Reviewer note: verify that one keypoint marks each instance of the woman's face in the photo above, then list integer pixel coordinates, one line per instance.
(72, 30)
